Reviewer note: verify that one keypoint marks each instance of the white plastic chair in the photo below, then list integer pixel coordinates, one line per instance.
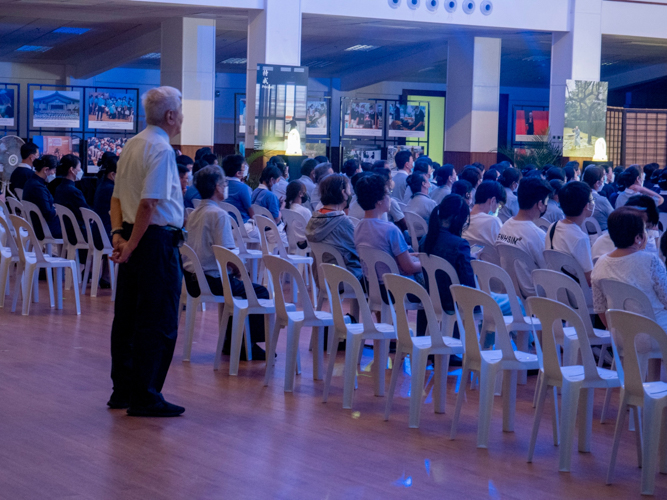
(15, 206)
(517, 263)
(562, 262)
(417, 227)
(572, 379)
(294, 321)
(355, 222)
(651, 396)
(240, 309)
(71, 248)
(263, 211)
(562, 288)
(488, 363)
(19, 193)
(249, 256)
(354, 334)
(663, 220)
(9, 254)
(418, 348)
(48, 241)
(294, 222)
(236, 215)
(543, 224)
(323, 252)
(205, 295)
(592, 227)
(94, 259)
(488, 254)
(32, 261)
(433, 265)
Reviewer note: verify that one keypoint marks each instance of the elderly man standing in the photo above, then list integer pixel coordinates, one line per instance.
(147, 221)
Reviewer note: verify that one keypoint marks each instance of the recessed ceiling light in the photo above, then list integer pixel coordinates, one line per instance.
(361, 48)
(71, 31)
(234, 60)
(33, 48)
(319, 64)
(152, 55)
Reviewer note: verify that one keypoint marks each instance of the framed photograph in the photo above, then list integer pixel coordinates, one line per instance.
(97, 146)
(317, 117)
(416, 151)
(57, 146)
(241, 111)
(585, 117)
(530, 122)
(7, 108)
(363, 118)
(56, 109)
(362, 153)
(407, 120)
(111, 110)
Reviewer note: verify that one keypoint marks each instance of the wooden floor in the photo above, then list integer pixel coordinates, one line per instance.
(238, 439)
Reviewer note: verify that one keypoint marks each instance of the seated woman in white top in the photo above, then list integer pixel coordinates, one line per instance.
(445, 176)
(420, 203)
(632, 181)
(484, 223)
(567, 235)
(630, 264)
(295, 195)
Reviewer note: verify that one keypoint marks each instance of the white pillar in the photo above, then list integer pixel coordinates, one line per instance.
(473, 90)
(575, 55)
(188, 64)
(274, 37)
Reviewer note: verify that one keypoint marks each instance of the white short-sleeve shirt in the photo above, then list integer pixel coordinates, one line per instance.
(147, 170)
(529, 238)
(483, 228)
(571, 239)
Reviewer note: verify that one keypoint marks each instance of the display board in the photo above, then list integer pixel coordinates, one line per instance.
(585, 117)
(363, 117)
(111, 109)
(241, 115)
(53, 109)
(368, 153)
(407, 120)
(97, 146)
(7, 108)
(317, 118)
(57, 146)
(280, 108)
(392, 150)
(530, 122)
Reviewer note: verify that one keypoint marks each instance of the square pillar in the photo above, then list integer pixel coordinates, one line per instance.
(188, 64)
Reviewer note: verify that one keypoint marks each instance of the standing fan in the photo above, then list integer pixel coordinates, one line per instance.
(10, 155)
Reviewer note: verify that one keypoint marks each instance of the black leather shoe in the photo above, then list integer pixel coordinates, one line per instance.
(161, 409)
(118, 402)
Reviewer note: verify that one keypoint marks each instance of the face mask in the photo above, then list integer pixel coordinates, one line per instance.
(304, 198)
(544, 212)
(189, 177)
(598, 189)
(226, 192)
(79, 175)
(643, 177)
(245, 171)
(49, 178)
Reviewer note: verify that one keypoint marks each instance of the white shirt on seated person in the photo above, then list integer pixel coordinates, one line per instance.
(483, 227)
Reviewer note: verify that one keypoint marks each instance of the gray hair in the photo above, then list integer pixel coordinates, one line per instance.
(207, 179)
(158, 101)
(321, 171)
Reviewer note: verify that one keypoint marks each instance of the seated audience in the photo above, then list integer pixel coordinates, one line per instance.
(351, 167)
(629, 264)
(295, 196)
(650, 182)
(594, 177)
(473, 176)
(25, 169)
(421, 166)
(395, 213)
(608, 189)
(404, 163)
(191, 193)
(330, 225)
(484, 224)
(306, 178)
(280, 187)
(554, 213)
(36, 191)
(555, 173)
(69, 196)
(491, 175)
(104, 192)
(189, 164)
(183, 176)
(520, 231)
(445, 176)
(420, 203)
(263, 196)
(239, 194)
(630, 184)
(209, 225)
(464, 189)
(320, 172)
(567, 235)
(571, 171)
(509, 179)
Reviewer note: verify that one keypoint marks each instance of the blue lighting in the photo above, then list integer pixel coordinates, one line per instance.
(71, 31)
(33, 48)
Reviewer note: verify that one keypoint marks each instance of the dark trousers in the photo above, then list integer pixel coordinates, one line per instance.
(145, 322)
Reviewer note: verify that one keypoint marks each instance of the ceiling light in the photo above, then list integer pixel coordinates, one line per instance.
(319, 64)
(33, 48)
(71, 31)
(650, 44)
(235, 60)
(152, 55)
(361, 48)
(426, 69)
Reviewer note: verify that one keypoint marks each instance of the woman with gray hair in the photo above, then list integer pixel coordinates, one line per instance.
(147, 222)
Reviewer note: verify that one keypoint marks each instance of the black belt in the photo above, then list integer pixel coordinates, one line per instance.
(179, 235)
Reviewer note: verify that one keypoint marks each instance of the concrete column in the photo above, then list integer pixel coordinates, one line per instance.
(575, 55)
(274, 37)
(471, 109)
(188, 64)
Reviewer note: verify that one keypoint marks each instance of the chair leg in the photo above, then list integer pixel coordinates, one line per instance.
(353, 346)
(537, 387)
(569, 403)
(270, 351)
(190, 313)
(97, 265)
(440, 385)
(77, 297)
(49, 280)
(509, 398)
(86, 273)
(4, 278)
(585, 420)
(238, 326)
(487, 380)
(59, 271)
(318, 357)
(27, 288)
(418, 359)
(522, 342)
(465, 375)
(652, 417)
(379, 365)
(293, 334)
(638, 433)
(222, 334)
(20, 282)
(334, 338)
(247, 339)
(554, 418)
(541, 396)
(620, 421)
(398, 362)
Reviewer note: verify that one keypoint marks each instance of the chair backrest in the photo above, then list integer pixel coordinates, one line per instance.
(235, 214)
(487, 275)
(333, 277)
(592, 227)
(31, 208)
(663, 220)
(399, 287)
(25, 237)
(626, 297)
(238, 236)
(626, 327)
(277, 267)
(188, 211)
(9, 244)
(224, 258)
(265, 224)
(65, 215)
(89, 218)
(294, 222)
(488, 254)
(551, 315)
(15, 206)
(417, 227)
(371, 258)
(19, 193)
(320, 251)
(466, 300)
(564, 263)
(187, 252)
(561, 288)
(515, 261)
(260, 210)
(355, 222)
(402, 206)
(543, 224)
(433, 264)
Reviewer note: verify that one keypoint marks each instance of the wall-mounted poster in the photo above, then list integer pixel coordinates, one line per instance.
(56, 109)
(97, 146)
(316, 118)
(58, 146)
(7, 107)
(416, 151)
(369, 154)
(407, 120)
(363, 118)
(585, 117)
(242, 116)
(530, 123)
(111, 110)
(314, 149)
